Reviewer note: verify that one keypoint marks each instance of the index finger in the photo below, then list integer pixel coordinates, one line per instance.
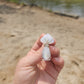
(38, 44)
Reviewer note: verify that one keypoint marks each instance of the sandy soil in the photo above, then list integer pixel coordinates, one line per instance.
(20, 27)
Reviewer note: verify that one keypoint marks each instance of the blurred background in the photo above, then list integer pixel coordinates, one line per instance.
(23, 21)
(64, 6)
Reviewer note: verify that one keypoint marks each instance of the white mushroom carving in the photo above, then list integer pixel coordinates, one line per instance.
(46, 40)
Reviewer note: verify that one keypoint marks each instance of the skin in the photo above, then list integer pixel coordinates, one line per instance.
(31, 69)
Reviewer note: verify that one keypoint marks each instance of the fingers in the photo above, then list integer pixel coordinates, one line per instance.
(48, 66)
(54, 51)
(56, 59)
(37, 44)
(35, 57)
(59, 63)
(53, 44)
(38, 56)
(32, 58)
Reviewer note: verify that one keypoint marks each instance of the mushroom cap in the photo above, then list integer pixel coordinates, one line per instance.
(47, 39)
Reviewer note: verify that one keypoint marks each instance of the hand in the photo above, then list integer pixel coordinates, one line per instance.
(31, 69)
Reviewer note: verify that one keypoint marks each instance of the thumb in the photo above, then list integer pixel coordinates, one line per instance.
(38, 56)
(32, 58)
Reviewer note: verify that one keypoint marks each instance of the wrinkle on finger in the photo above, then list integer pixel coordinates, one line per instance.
(55, 52)
(58, 61)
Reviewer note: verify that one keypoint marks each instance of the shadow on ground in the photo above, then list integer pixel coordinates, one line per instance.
(4, 9)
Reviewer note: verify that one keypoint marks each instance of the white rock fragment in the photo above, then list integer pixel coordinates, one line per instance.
(46, 53)
(46, 40)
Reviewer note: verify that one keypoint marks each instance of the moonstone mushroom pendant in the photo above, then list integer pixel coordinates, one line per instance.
(46, 40)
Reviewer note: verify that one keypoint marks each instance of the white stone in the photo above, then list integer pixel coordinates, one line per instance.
(46, 54)
(46, 40)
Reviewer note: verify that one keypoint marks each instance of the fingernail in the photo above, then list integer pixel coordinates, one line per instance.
(57, 59)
